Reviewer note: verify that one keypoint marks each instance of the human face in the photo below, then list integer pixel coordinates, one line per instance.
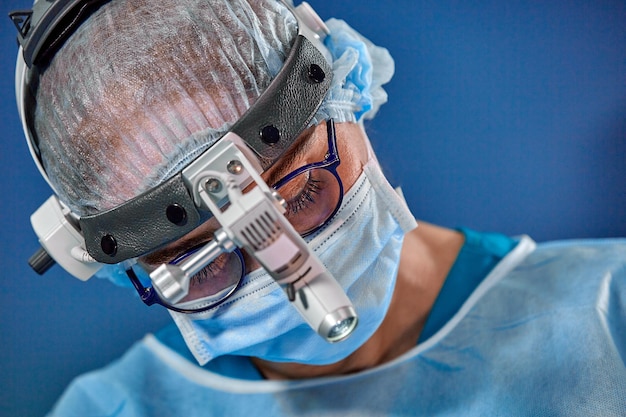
(315, 144)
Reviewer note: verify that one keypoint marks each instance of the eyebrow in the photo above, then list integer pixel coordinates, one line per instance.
(176, 248)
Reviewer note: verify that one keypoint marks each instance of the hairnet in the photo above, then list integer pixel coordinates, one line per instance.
(360, 69)
(139, 90)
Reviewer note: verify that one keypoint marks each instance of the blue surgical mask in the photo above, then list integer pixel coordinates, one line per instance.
(360, 247)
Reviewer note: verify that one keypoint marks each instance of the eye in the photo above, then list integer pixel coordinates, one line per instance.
(217, 277)
(307, 197)
(209, 271)
(302, 193)
(312, 198)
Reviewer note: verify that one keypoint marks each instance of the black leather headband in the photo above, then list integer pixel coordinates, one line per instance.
(269, 127)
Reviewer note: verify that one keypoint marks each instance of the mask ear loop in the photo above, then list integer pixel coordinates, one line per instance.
(396, 203)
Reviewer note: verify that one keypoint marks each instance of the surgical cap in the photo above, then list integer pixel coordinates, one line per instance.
(142, 88)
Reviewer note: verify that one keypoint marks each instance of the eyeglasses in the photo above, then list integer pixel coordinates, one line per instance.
(313, 193)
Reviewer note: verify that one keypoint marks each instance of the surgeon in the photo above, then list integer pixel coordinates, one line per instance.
(124, 105)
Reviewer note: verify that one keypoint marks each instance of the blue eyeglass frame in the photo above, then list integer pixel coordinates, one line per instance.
(149, 296)
(331, 161)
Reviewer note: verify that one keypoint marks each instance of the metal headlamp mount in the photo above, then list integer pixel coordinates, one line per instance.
(81, 245)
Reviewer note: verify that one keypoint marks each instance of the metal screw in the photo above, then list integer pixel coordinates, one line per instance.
(213, 185)
(108, 245)
(270, 135)
(316, 74)
(234, 167)
(176, 214)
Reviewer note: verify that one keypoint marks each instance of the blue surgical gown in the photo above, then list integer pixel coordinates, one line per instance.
(543, 334)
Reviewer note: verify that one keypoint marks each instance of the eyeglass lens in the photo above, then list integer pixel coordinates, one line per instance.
(311, 197)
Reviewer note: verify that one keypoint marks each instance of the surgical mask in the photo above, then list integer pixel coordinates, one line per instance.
(360, 247)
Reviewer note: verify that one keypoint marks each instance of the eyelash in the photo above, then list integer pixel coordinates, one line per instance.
(305, 198)
(208, 272)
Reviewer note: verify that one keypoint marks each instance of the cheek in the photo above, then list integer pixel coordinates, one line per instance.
(353, 158)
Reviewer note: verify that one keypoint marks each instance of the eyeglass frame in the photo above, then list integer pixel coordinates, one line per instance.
(331, 161)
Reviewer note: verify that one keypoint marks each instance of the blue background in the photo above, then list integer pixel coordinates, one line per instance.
(503, 115)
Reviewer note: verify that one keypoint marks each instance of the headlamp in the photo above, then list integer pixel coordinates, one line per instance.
(269, 127)
(171, 210)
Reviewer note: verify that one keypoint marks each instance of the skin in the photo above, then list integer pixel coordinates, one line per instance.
(428, 253)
